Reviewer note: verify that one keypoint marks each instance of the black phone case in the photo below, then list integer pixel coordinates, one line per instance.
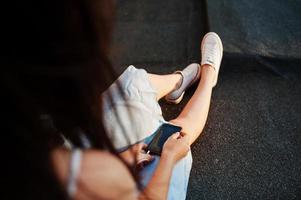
(161, 135)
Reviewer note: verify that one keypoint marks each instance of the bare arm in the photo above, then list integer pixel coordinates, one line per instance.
(175, 148)
(158, 186)
(102, 175)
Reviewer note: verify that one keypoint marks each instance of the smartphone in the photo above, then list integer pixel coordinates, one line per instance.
(161, 135)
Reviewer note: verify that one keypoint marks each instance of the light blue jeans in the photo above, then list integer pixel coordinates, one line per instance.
(179, 178)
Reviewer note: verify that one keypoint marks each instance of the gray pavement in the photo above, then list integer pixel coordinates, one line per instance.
(258, 27)
(251, 145)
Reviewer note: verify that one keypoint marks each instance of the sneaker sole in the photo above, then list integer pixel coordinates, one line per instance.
(175, 101)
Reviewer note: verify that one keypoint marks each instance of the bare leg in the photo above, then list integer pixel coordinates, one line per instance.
(194, 115)
(164, 84)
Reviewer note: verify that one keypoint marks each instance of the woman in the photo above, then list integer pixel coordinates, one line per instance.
(54, 80)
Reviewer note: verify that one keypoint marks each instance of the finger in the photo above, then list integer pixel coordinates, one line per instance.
(185, 138)
(186, 141)
(144, 158)
(182, 134)
(139, 147)
(144, 161)
(144, 146)
(175, 135)
(149, 157)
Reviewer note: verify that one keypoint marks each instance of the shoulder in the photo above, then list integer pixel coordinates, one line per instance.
(102, 175)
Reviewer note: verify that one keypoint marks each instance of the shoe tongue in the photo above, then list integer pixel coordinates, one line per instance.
(209, 61)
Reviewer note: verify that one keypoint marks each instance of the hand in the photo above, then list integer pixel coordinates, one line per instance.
(176, 146)
(141, 156)
(136, 153)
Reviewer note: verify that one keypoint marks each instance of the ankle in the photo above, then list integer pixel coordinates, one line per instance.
(178, 79)
(208, 72)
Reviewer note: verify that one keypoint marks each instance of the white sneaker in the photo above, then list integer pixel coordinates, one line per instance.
(212, 52)
(190, 75)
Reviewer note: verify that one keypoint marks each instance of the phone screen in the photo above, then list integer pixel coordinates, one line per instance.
(161, 135)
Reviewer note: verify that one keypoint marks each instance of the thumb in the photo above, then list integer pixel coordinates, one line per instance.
(175, 135)
(139, 147)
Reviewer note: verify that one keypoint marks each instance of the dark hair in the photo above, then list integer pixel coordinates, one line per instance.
(55, 63)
